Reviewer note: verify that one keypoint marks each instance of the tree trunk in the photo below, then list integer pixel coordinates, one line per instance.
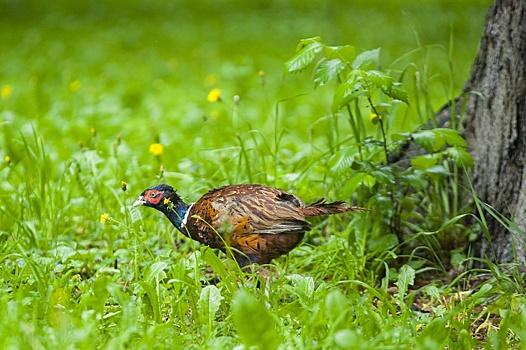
(495, 127)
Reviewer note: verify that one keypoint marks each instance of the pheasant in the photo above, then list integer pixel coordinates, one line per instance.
(260, 223)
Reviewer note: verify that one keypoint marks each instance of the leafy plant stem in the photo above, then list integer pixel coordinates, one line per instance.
(455, 190)
(384, 137)
(276, 140)
(353, 126)
(355, 132)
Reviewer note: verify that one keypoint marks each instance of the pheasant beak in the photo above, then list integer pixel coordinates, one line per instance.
(139, 201)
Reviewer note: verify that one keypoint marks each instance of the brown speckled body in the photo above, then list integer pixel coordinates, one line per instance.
(260, 223)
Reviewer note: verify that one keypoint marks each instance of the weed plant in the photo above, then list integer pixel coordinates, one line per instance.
(81, 268)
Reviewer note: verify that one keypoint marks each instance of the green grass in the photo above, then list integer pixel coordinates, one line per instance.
(93, 85)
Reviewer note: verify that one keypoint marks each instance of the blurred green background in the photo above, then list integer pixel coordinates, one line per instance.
(140, 71)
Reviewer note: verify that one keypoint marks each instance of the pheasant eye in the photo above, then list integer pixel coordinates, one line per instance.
(153, 194)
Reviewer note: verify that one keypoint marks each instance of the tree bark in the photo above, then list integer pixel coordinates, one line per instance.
(495, 127)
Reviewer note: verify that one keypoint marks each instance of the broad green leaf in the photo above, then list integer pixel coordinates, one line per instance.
(228, 279)
(383, 175)
(424, 162)
(209, 303)
(335, 302)
(460, 156)
(303, 286)
(382, 243)
(366, 58)
(417, 180)
(357, 179)
(302, 59)
(435, 335)
(347, 339)
(344, 97)
(118, 293)
(457, 259)
(408, 204)
(451, 222)
(352, 184)
(342, 160)
(151, 301)
(98, 295)
(400, 136)
(406, 278)
(485, 289)
(254, 323)
(440, 143)
(451, 137)
(327, 70)
(398, 93)
(154, 270)
(346, 53)
(380, 79)
(63, 252)
(432, 291)
(436, 172)
(465, 340)
(427, 139)
(435, 139)
(307, 41)
(135, 214)
(368, 181)
(347, 91)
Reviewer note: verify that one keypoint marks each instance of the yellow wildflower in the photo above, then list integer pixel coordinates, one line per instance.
(104, 217)
(6, 92)
(75, 86)
(7, 159)
(124, 186)
(375, 118)
(167, 201)
(156, 149)
(214, 95)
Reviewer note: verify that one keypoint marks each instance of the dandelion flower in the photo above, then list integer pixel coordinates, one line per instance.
(104, 217)
(6, 92)
(375, 118)
(214, 95)
(156, 149)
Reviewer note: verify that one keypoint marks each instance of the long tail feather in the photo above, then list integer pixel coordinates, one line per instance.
(322, 208)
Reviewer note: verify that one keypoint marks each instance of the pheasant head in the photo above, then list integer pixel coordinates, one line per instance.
(165, 199)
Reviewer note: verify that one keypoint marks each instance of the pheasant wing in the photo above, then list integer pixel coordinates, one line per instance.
(256, 209)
